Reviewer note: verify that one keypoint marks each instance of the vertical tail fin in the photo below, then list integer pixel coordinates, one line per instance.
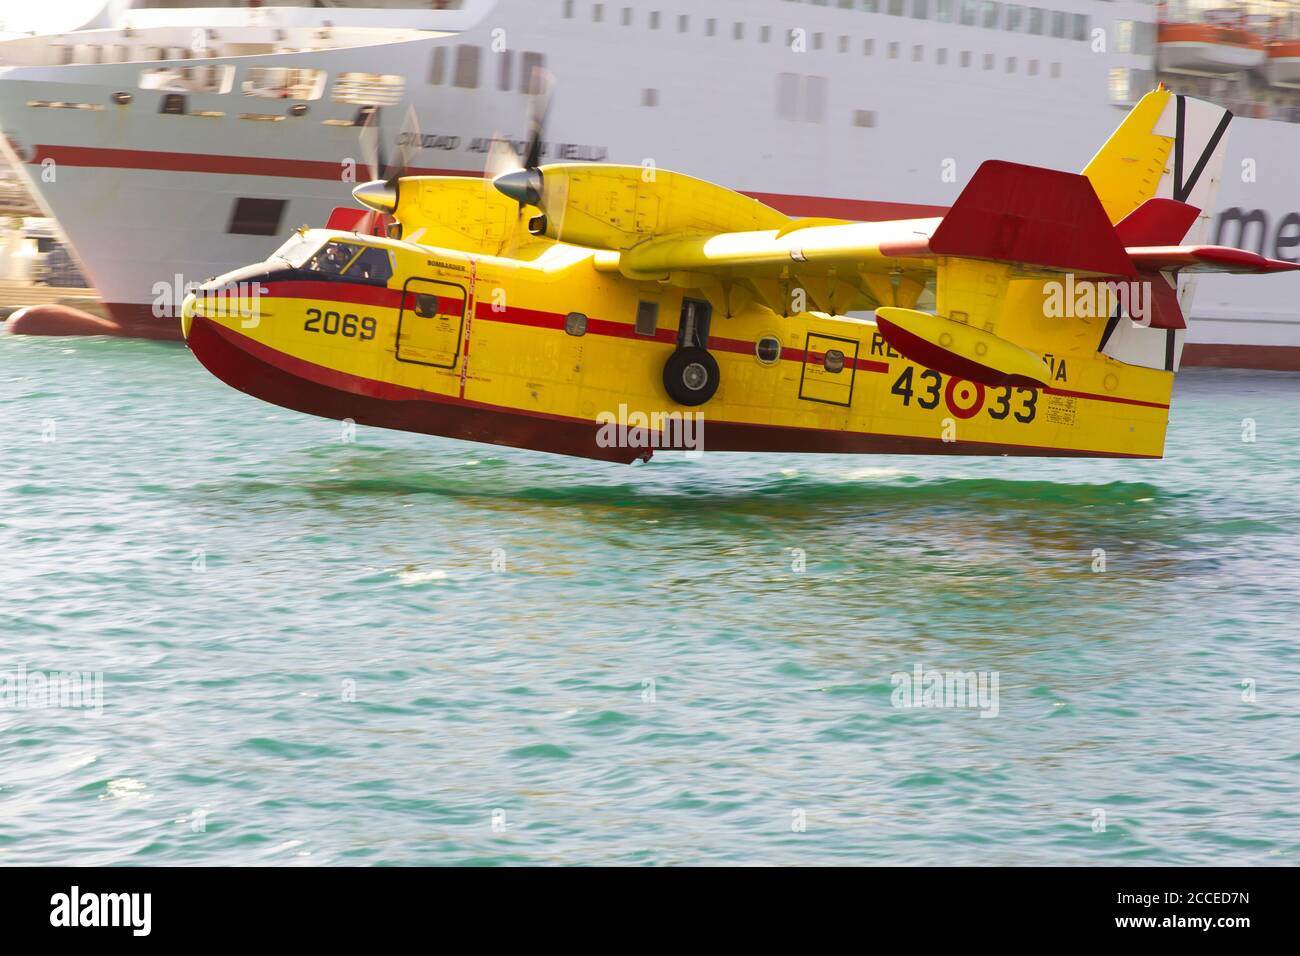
(1168, 147)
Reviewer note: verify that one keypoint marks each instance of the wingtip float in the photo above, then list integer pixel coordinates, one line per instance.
(542, 305)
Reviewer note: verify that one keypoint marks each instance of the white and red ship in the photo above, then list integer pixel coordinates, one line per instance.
(186, 141)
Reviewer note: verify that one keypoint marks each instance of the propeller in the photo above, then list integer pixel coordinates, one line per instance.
(380, 194)
(521, 179)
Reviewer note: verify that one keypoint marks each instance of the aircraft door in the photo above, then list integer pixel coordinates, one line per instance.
(829, 366)
(431, 326)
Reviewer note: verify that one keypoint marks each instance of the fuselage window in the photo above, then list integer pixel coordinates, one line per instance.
(575, 323)
(768, 349)
(426, 306)
(647, 318)
(833, 361)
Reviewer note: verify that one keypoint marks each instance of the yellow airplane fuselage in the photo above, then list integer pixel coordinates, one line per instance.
(559, 354)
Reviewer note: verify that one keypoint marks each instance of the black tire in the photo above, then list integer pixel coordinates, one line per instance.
(691, 376)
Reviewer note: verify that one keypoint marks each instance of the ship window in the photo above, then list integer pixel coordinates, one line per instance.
(969, 9)
(173, 104)
(893, 50)
(279, 83)
(654, 20)
(649, 97)
(575, 323)
(871, 6)
(943, 11)
(765, 35)
(438, 66)
(1015, 17)
(818, 40)
(1058, 24)
(647, 318)
(921, 9)
(567, 10)
(627, 16)
(597, 12)
(844, 44)
(369, 89)
(503, 73)
(467, 66)
(1124, 36)
(965, 58)
(1080, 31)
(833, 361)
(710, 27)
(211, 79)
(768, 349)
(941, 55)
(738, 31)
(894, 8)
(868, 47)
(256, 217)
(988, 61)
(815, 109)
(531, 66)
(787, 95)
(918, 52)
(1011, 64)
(683, 23)
(992, 11)
(1033, 67)
(1036, 21)
(373, 265)
(1056, 71)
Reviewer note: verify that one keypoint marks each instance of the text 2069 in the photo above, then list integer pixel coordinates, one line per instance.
(331, 323)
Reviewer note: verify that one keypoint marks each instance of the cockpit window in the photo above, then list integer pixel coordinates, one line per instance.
(333, 259)
(349, 259)
(372, 265)
(297, 249)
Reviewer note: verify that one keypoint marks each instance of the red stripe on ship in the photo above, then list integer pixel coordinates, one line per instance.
(163, 161)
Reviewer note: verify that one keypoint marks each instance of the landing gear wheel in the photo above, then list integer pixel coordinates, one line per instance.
(691, 376)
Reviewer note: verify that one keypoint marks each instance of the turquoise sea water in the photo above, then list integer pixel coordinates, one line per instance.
(409, 650)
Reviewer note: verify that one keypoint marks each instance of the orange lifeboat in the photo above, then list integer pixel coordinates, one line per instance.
(1284, 63)
(1209, 48)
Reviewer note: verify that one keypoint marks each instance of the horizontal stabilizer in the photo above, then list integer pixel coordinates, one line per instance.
(1205, 259)
(961, 350)
(1157, 222)
(1028, 215)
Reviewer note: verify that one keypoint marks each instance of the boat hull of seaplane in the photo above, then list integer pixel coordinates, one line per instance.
(517, 378)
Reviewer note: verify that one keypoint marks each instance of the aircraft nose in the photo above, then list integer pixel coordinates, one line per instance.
(187, 314)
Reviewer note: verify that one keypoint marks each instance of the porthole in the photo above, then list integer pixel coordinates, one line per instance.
(575, 323)
(426, 306)
(768, 349)
(834, 360)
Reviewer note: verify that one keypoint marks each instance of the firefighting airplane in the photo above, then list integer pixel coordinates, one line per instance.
(535, 307)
